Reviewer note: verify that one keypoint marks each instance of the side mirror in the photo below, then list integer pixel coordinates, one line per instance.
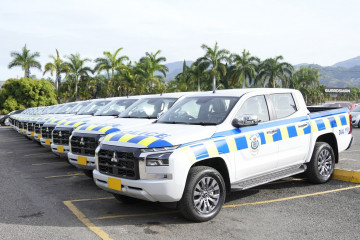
(245, 120)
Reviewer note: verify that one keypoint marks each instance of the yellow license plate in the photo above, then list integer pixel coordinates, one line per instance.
(82, 160)
(39, 136)
(21, 130)
(60, 149)
(47, 142)
(32, 134)
(114, 183)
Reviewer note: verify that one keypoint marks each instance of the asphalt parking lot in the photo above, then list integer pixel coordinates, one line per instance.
(43, 197)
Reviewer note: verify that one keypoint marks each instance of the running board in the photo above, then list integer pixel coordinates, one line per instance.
(268, 177)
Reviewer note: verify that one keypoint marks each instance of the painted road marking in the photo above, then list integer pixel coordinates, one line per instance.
(39, 164)
(82, 218)
(67, 175)
(35, 154)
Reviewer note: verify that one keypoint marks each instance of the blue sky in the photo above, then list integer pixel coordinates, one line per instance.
(322, 32)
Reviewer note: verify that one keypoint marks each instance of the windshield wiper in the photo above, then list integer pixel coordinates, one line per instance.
(204, 123)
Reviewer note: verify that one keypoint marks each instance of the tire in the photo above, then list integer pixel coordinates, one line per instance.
(88, 173)
(359, 124)
(126, 199)
(322, 163)
(194, 204)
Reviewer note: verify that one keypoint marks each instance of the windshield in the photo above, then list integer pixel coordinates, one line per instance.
(356, 109)
(148, 108)
(93, 107)
(65, 108)
(115, 107)
(200, 111)
(78, 107)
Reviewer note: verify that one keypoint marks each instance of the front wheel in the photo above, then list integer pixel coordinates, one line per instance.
(204, 194)
(322, 163)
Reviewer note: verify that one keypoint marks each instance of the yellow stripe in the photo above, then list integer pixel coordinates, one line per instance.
(91, 127)
(338, 122)
(314, 127)
(126, 137)
(98, 231)
(345, 175)
(300, 131)
(107, 138)
(231, 144)
(284, 133)
(67, 123)
(211, 148)
(347, 119)
(268, 138)
(147, 141)
(189, 153)
(61, 121)
(104, 129)
(77, 124)
(327, 123)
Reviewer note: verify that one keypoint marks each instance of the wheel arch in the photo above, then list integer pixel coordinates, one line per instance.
(219, 164)
(330, 139)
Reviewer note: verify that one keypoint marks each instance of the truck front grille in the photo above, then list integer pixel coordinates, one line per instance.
(38, 128)
(61, 137)
(46, 132)
(83, 145)
(120, 164)
(25, 125)
(30, 127)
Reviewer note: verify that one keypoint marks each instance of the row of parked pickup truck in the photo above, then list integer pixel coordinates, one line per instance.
(190, 148)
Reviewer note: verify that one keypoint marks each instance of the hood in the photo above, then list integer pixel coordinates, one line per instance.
(113, 125)
(81, 121)
(160, 135)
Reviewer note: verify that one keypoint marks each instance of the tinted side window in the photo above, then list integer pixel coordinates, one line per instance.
(256, 106)
(284, 104)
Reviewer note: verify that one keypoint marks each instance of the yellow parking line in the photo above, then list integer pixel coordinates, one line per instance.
(290, 198)
(68, 175)
(92, 199)
(35, 154)
(98, 231)
(39, 164)
(134, 215)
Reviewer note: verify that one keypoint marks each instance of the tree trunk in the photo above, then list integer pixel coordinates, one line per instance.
(243, 80)
(199, 85)
(214, 82)
(76, 87)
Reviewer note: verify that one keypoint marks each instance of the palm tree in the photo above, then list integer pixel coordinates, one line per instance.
(146, 71)
(306, 80)
(25, 60)
(111, 62)
(245, 66)
(77, 68)
(272, 69)
(213, 58)
(58, 66)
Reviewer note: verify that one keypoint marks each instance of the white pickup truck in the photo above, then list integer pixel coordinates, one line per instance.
(211, 143)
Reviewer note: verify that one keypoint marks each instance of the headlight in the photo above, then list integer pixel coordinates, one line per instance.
(159, 159)
(144, 150)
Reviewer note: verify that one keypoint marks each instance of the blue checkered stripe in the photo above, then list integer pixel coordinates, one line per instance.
(233, 140)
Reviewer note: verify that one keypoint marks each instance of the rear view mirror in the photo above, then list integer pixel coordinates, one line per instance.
(245, 120)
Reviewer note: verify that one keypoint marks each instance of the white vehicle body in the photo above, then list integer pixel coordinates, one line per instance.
(83, 157)
(355, 113)
(158, 157)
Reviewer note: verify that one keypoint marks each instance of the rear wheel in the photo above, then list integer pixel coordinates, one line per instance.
(322, 163)
(204, 194)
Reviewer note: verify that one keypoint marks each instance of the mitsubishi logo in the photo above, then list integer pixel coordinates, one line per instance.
(60, 135)
(47, 129)
(82, 141)
(113, 159)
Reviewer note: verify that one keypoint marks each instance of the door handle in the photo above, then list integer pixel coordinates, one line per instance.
(273, 131)
(303, 125)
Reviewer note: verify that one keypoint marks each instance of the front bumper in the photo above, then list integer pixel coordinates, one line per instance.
(60, 150)
(163, 190)
(45, 142)
(82, 162)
